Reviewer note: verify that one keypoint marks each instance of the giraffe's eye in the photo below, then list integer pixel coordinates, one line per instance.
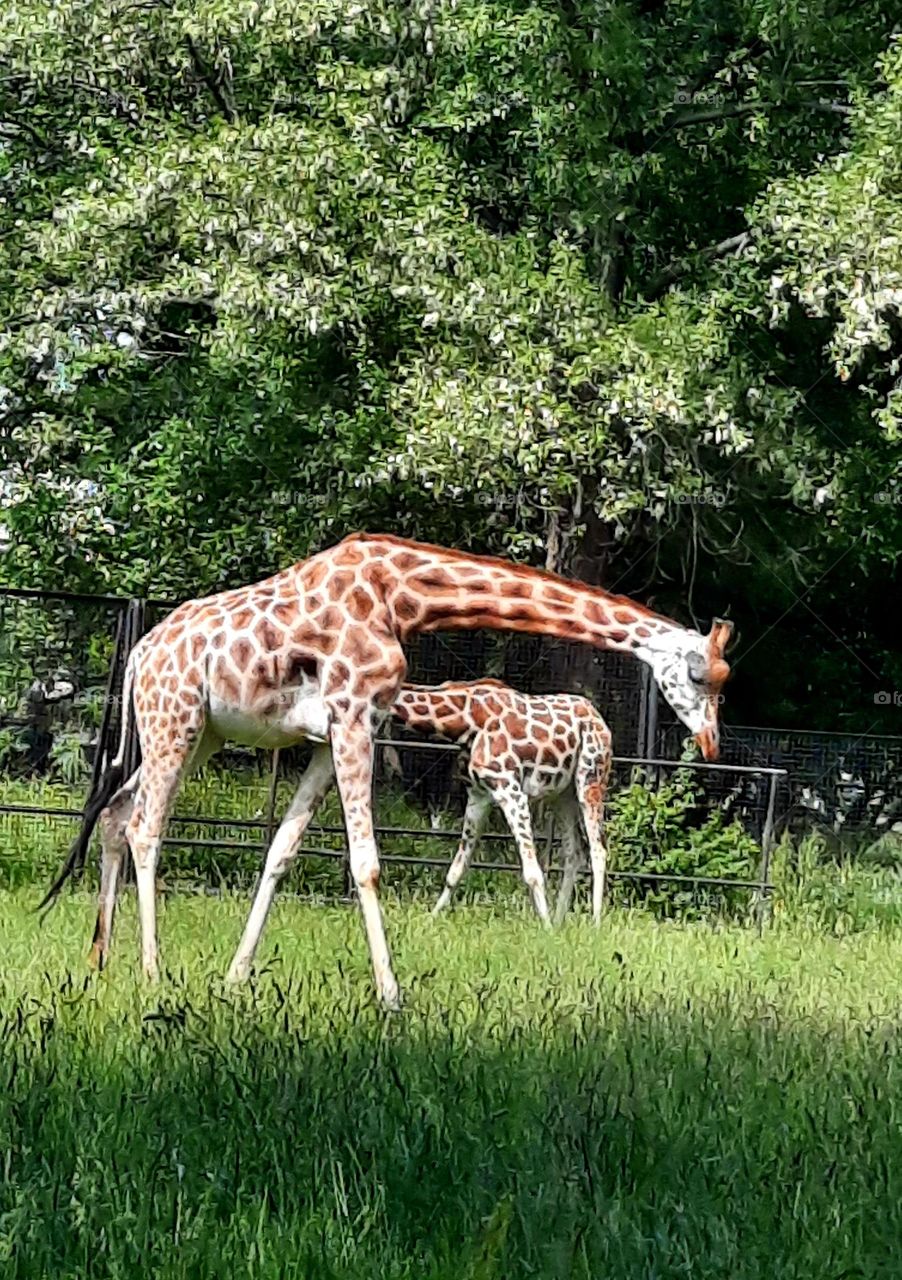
(696, 666)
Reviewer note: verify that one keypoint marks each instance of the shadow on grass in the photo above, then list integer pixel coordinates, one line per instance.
(273, 1135)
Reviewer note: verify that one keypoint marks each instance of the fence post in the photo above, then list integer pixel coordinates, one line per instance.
(767, 840)
(136, 625)
(101, 752)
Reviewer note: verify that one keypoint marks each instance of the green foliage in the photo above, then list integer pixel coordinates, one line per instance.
(668, 830)
(67, 759)
(11, 750)
(835, 893)
(586, 281)
(885, 851)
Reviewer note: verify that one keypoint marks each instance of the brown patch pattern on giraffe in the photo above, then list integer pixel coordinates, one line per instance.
(360, 604)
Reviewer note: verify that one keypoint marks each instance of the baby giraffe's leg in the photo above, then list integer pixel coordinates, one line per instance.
(568, 817)
(514, 805)
(591, 788)
(478, 806)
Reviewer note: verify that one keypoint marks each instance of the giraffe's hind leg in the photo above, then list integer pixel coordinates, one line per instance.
(172, 750)
(567, 813)
(114, 822)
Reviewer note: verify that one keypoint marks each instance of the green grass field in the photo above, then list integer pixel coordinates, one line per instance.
(655, 1099)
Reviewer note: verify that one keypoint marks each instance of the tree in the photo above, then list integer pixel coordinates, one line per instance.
(559, 280)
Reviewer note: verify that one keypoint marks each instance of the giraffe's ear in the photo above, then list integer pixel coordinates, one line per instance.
(721, 630)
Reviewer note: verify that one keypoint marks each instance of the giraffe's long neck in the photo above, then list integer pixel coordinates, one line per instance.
(434, 589)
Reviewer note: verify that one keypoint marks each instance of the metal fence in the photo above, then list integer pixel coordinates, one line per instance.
(847, 785)
(61, 666)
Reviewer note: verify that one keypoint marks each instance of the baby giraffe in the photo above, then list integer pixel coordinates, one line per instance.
(521, 748)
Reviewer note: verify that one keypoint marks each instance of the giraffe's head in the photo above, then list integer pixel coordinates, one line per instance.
(691, 671)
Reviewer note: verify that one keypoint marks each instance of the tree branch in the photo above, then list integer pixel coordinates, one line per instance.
(716, 113)
(746, 108)
(222, 100)
(680, 266)
(612, 272)
(9, 129)
(640, 144)
(821, 104)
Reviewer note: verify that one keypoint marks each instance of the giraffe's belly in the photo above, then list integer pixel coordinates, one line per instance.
(301, 715)
(539, 782)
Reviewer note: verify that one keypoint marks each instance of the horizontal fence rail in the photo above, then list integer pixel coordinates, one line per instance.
(761, 886)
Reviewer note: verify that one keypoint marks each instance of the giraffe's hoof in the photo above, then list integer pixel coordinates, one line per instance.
(391, 999)
(97, 957)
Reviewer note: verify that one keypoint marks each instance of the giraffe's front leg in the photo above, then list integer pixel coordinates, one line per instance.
(478, 805)
(313, 787)
(352, 754)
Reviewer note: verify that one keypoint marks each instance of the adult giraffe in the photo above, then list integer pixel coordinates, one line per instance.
(316, 652)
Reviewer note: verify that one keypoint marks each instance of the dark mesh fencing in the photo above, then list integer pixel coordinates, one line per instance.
(847, 785)
(56, 658)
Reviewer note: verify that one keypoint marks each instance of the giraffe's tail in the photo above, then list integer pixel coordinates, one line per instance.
(109, 783)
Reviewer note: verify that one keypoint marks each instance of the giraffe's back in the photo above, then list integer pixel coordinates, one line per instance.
(537, 742)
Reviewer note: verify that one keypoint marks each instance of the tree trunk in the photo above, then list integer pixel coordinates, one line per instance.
(574, 668)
